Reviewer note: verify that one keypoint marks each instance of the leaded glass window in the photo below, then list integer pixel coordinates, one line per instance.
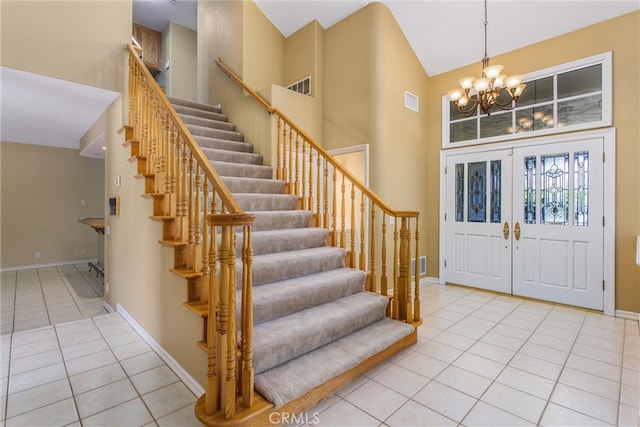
(530, 190)
(581, 188)
(554, 189)
(496, 191)
(460, 192)
(477, 192)
(577, 95)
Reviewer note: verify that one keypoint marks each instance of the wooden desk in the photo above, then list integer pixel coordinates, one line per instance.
(95, 223)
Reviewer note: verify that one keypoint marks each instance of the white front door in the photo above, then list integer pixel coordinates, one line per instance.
(558, 216)
(478, 248)
(528, 221)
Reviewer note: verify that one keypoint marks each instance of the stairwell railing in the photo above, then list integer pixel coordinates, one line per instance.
(357, 219)
(200, 218)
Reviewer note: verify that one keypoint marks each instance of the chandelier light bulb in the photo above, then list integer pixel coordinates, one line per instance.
(512, 82)
(493, 71)
(481, 85)
(466, 83)
(455, 94)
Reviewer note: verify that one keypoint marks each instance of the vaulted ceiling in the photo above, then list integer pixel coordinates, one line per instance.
(445, 35)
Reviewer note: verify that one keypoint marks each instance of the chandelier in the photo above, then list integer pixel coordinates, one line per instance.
(488, 88)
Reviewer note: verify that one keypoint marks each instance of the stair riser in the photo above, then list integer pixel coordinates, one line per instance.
(213, 124)
(193, 104)
(233, 156)
(224, 144)
(254, 185)
(195, 112)
(243, 171)
(215, 133)
(273, 203)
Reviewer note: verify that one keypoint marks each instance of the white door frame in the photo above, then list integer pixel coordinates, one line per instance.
(608, 136)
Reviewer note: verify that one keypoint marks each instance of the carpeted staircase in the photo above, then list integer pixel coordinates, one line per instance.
(313, 319)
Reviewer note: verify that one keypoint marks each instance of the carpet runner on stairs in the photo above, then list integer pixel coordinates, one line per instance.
(313, 320)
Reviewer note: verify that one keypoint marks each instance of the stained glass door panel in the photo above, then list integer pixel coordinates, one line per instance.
(558, 206)
(478, 193)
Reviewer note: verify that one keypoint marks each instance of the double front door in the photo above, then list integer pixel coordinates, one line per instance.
(528, 221)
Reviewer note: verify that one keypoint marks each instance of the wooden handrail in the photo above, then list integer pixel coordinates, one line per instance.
(325, 154)
(201, 219)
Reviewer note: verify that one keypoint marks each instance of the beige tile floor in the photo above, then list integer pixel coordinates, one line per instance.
(481, 360)
(69, 363)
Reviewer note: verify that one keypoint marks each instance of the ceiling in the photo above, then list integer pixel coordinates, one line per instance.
(445, 34)
(66, 110)
(448, 34)
(41, 110)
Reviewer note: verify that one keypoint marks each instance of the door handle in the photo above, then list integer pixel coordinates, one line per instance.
(505, 230)
(516, 231)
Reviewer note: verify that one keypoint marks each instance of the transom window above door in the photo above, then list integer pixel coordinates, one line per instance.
(570, 97)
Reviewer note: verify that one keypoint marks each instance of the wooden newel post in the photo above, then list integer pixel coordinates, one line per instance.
(224, 378)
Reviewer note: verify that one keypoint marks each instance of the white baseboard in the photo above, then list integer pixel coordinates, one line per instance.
(107, 307)
(430, 281)
(628, 315)
(49, 264)
(186, 378)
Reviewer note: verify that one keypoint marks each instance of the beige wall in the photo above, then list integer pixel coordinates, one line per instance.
(79, 41)
(40, 214)
(619, 35)
(368, 65)
(304, 55)
(183, 58)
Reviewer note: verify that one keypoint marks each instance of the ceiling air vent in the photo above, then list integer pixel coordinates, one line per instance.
(302, 86)
(410, 101)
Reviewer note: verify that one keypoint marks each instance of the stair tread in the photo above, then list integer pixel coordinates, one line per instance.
(292, 379)
(286, 297)
(314, 327)
(274, 267)
(194, 104)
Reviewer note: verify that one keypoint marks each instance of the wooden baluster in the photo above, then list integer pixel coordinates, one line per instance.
(279, 143)
(416, 300)
(352, 248)
(132, 90)
(384, 290)
(226, 331)
(290, 184)
(190, 214)
(343, 213)
(296, 175)
(303, 178)
(372, 250)
(171, 173)
(157, 143)
(334, 209)
(405, 289)
(318, 218)
(231, 380)
(247, 319)
(212, 403)
(206, 269)
(325, 220)
(184, 225)
(362, 265)
(197, 215)
(395, 306)
(310, 181)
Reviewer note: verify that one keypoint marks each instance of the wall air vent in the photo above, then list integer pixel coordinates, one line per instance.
(302, 86)
(423, 266)
(410, 101)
